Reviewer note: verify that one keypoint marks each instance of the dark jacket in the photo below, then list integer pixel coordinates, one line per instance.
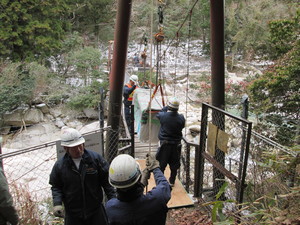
(147, 209)
(80, 190)
(171, 125)
(127, 94)
(8, 212)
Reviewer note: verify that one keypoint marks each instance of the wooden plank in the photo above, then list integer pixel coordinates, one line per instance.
(179, 196)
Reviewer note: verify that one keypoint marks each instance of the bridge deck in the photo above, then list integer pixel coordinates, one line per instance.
(179, 196)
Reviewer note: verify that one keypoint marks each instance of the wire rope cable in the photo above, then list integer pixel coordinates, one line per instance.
(176, 53)
(185, 19)
(188, 65)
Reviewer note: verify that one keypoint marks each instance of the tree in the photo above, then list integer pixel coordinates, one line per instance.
(93, 18)
(85, 64)
(32, 30)
(88, 96)
(283, 34)
(246, 25)
(201, 23)
(21, 83)
(276, 96)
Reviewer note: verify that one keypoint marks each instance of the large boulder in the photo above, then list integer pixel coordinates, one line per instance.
(34, 135)
(91, 113)
(23, 117)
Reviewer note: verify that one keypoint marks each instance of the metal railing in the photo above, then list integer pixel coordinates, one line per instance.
(211, 169)
(253, 167)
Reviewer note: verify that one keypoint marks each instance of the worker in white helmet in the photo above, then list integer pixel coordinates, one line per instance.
(128, 97)
(170, 135)
(78, 180)
(132, 206)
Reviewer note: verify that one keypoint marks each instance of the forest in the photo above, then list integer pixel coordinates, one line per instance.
(44, 43)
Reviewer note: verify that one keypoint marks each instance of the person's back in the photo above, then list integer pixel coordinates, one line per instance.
(170, 135)
(132, 207)
(172, 124)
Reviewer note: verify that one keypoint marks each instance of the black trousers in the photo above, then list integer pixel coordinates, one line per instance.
(127, 112)
(98, 218)
(169, 153)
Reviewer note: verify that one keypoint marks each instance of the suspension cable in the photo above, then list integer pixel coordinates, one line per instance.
(188, 65)
(176, 53)
(187, 16)
(150, 77)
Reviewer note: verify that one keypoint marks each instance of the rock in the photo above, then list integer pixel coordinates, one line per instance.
(33, 116)
(195, 128)
(55, 112)
(34, 135)
(74, 124)
(22, 117)
(49, 117)
(91, 113)
(4, 130)
(43, 107)
(59, 123)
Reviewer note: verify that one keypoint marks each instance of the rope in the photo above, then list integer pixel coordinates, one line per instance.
(150, 102)
(157, 63)
(187, 16)
(188, 65)
(159, 38)
(176, 53)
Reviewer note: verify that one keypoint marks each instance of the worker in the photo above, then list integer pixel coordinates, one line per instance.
(128, 97)
(77, 181)
(170, 135)
(132, 206)
(136, 60)
(8, 213)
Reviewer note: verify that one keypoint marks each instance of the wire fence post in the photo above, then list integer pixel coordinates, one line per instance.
(199, 159)
(132, 130)
(244, 150)
(101, 120)
(1, 152)
(245, 103)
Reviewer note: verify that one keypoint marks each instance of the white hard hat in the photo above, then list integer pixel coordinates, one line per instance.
(134, 78)
(124, 171)
(71, 137)
(173, 103)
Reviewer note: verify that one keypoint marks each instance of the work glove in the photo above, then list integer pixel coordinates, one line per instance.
(145, 177)
(151, 162)
(58, 211)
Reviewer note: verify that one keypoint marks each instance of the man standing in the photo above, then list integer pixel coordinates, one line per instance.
(136, 60)
(8, 212)
(132, 206)
(77, 181)
(170, 135)
(128, 97)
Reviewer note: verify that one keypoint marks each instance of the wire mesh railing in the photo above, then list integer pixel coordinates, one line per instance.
(32, 165)
(270, 169)
(220, 156)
